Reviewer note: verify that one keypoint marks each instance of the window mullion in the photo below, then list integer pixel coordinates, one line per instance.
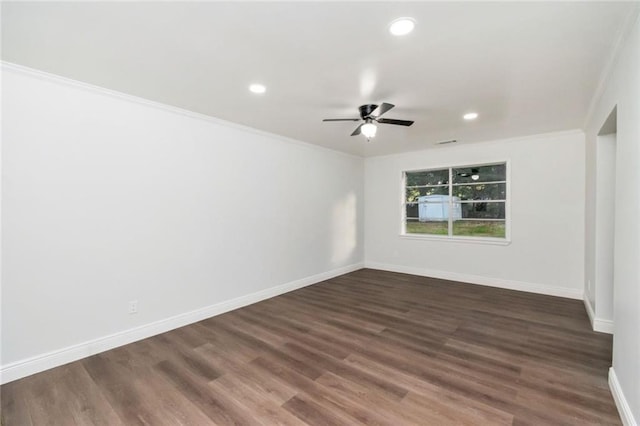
(404, 203)
(450, 225)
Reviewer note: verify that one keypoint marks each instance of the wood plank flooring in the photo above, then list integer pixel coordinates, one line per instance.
(370, 347)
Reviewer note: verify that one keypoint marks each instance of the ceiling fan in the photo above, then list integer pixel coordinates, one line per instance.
(371, 113)
(474, 174)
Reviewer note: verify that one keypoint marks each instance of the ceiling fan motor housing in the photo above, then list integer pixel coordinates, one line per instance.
(366, 110)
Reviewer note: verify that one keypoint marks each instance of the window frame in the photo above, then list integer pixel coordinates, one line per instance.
(457, 238)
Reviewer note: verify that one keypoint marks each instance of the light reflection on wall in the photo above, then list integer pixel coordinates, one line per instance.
(344, 228)
(368, 82)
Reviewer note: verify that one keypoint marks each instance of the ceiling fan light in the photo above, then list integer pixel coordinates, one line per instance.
(475, 174)
(369, 130)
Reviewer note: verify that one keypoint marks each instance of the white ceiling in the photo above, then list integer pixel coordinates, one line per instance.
(526, 68)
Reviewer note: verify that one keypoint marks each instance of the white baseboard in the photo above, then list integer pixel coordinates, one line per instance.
(603, 326)
(589, 309)
(621, 402)
(598, 324)
(38, 363)
(570, 293)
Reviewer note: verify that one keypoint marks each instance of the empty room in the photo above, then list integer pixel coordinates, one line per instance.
(320, 213)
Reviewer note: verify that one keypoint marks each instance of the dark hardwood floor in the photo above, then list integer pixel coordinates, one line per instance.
(369, 347)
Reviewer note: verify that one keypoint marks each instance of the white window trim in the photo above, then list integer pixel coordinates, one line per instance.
(458, 239)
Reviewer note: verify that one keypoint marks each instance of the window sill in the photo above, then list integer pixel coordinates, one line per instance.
(471, 240)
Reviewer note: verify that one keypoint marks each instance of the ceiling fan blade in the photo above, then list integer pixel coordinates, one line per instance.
(357, 130)
(341, 119)
(381, 109)
(394, 121)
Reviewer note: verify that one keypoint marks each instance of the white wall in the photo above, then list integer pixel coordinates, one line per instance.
(109, 199)
(622, 90)
(547, 217)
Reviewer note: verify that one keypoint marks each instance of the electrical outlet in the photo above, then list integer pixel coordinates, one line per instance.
(133, 307)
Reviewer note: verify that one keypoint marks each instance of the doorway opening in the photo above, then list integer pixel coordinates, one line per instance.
(605, 222)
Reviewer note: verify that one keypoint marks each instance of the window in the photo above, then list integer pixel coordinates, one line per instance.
(467, 201)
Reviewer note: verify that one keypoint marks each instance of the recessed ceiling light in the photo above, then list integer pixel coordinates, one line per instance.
(257, 88)
(402, 26)
(470, 116)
